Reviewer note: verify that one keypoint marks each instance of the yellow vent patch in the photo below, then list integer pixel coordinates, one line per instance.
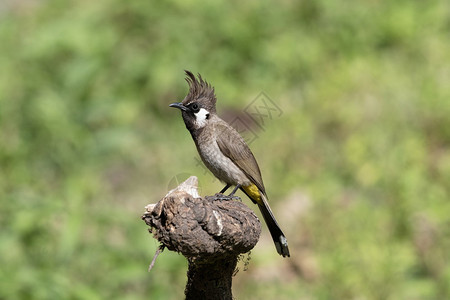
(253, 192)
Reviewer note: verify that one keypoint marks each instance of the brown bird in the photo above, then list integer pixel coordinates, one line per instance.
(225, 153)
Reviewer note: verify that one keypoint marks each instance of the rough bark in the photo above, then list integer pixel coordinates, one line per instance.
(211, 233)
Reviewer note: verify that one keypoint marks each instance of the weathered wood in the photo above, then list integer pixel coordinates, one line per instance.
(210, 232)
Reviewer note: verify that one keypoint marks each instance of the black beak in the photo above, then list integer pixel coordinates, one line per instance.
(179, 106)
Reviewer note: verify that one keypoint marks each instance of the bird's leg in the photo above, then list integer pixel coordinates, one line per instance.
(221, 196)
(225, 189)
(234, 191)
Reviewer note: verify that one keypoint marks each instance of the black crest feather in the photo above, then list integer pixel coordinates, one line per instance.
(199, 88)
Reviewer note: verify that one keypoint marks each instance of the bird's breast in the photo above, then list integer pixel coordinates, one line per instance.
(220, 165)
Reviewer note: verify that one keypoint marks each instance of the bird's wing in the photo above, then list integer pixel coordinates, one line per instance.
(234, 147)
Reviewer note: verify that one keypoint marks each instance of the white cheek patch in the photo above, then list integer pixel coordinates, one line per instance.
(201, 116)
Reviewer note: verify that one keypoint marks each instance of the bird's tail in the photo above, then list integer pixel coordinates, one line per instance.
(277, 235)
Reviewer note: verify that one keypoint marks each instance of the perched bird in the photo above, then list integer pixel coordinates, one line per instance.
(225, 153)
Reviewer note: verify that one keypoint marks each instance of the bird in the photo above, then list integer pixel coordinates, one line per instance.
(225, 153)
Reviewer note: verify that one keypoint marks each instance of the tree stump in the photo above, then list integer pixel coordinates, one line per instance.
(210, 232)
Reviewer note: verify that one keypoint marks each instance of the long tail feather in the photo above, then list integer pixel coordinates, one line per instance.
(277, 235)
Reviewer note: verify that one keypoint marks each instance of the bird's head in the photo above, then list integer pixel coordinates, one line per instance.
(199, 104)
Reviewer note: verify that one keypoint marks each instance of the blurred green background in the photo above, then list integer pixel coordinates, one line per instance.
(357, 167)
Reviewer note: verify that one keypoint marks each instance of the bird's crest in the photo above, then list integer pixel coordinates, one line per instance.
(198, 88)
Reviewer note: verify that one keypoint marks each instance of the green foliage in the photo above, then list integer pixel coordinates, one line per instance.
(360, 180)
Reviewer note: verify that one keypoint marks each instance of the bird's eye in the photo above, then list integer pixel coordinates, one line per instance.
(195, 107)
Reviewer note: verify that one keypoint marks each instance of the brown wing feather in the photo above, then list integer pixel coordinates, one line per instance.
(234, 147)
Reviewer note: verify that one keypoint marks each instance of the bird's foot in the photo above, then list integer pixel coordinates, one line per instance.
(219, 196)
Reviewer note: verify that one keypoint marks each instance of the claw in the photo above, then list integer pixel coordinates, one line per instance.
(219, 196)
